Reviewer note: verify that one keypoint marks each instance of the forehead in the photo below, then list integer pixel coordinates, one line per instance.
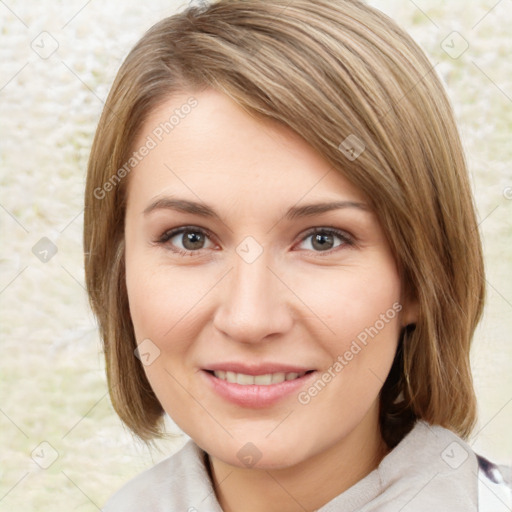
(217, 151)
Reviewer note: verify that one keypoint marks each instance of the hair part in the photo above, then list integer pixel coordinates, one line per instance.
(328, 70)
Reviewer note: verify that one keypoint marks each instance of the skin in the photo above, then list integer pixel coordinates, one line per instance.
(295, 304)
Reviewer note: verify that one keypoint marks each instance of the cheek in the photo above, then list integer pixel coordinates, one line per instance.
(168, 306)
(353, 304)
(161, 299)
(360, 325)
(162, 310)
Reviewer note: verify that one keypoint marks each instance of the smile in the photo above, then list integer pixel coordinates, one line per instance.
(256, 389)
(260, 380)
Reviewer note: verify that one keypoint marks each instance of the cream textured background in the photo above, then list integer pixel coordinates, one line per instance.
(52, 380)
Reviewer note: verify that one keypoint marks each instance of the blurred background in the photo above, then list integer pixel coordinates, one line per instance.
(61, 445)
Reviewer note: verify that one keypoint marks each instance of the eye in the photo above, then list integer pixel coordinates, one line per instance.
(325, 239)
(186, 240)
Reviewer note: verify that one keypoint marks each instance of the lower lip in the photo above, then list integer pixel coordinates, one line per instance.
(256, 396)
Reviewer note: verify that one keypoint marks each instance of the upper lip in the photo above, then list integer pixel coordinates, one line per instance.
(257, 369)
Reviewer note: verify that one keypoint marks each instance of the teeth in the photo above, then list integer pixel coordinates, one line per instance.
(244, 379)
(261, 380)
(278, 377)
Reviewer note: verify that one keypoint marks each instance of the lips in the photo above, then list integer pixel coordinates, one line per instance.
(257, 369)
(256, 386)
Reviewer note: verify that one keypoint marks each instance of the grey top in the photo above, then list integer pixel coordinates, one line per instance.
(431, 469)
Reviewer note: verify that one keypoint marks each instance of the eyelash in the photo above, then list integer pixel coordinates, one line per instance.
(346, 239)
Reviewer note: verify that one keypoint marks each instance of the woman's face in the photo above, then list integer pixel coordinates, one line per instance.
(261, 286)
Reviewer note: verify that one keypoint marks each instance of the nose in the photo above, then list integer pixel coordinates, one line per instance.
(253, 303)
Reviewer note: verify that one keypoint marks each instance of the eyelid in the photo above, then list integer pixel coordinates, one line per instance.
(168, 234)
(346, 238)
(171, 233)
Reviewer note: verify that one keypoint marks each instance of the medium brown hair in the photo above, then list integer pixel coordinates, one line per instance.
(327, 69)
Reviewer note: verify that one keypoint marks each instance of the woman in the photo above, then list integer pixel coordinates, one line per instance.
(282, 253)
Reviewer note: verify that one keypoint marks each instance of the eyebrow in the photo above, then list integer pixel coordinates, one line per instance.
(186, 206)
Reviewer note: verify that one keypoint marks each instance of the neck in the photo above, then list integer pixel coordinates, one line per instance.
(307, 485)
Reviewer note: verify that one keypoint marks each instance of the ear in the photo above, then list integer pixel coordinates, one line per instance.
(410, 312)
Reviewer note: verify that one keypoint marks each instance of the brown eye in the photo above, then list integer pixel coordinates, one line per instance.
(192, 240)
(322, 240)
(186, 240)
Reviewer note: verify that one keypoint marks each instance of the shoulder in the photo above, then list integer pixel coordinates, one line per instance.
(432, 465)
(176, 483)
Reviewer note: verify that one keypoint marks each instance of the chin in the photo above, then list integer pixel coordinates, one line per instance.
(261, 454)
